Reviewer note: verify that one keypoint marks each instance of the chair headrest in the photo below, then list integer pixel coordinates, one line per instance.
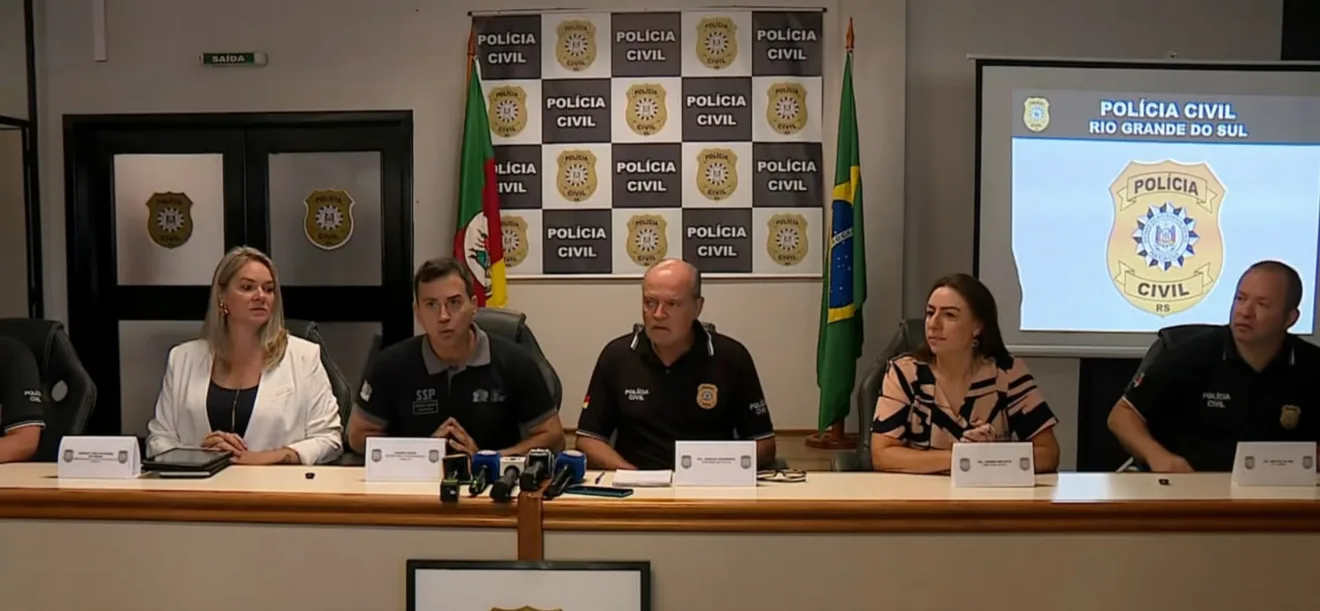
(304, 329)
(503, 322)
(35, 333)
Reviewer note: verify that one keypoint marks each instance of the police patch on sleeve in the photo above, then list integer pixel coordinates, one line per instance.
(366, 391)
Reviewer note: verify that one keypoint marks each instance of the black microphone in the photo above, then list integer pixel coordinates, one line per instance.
(485, 467)
(511, 467)
(562, 480)
(540, 464)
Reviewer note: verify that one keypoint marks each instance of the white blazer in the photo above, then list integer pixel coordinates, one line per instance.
(295, 406)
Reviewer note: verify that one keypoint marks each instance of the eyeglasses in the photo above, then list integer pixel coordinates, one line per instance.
(792, 476)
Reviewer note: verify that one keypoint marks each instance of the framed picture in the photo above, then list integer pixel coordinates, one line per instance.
(484, 585)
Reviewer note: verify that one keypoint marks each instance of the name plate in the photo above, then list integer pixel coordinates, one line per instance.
(92, 457)
(715, 463)
(405, 459)
(1261, 463)
(993, 465)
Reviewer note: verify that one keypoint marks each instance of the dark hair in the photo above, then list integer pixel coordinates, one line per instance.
(990, 343)
(1293, 296)
(443, 267)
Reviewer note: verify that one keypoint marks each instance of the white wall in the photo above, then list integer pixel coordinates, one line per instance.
(397, 54)
(941, 100)
(13, 60)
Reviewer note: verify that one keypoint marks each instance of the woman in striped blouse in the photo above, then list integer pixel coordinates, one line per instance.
(960, 386)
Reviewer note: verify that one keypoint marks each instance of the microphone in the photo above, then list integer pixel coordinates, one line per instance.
(511, 467)
(571, 468)
(540, 466)
(485, 467)
(457, 469)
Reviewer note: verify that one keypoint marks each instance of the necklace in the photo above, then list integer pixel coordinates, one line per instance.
(233, 412)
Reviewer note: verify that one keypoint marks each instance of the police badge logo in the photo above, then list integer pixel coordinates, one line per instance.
(786, 241)
(717, 42)
(576, 179)
(514, 231)
(376, 455)
(122, 457)
(576, 48)
(1249, 462)
(745, 462)
(328, 221)
(433, 456)
(708, 395)
(1024, 463)
(647, 112)
(1165, 248)
(68, 456)
(1308, 462)
(1036, 114)
(507, 110)
(1289, 416)
(685, 462)
(964, 464)
(786, 109)
(647, 243)
(169, 219)
(717, 173)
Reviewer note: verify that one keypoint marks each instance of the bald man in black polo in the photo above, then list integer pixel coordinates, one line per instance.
(672, 381)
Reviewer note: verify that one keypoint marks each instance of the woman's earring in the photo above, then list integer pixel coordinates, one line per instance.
(224, 309)
(975, 342)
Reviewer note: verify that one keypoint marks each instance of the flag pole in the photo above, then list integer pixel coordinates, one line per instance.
(836, 437)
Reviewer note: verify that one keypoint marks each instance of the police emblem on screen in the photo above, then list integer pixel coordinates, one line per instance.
(647, 242)
(328, 218)
(647, 112)
(717, 42)
(707, 396)
(514, 230)
(786, 109)
(1289, 416)
(717, 173)
(1165, 249)
(507, 110)
(576, 179)
(1036, 114)
(169, 219)
(786, 242)
(575, 48)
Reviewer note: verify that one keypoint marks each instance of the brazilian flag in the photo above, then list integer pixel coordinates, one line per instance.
(839, 343)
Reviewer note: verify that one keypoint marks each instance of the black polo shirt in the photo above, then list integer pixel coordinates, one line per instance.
(1200, 399)
(497, 397)
(711, 393)
(22, 402)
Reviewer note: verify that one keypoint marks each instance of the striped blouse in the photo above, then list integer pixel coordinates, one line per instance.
(913, 407)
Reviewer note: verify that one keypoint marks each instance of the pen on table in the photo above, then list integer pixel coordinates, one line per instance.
(599, 477)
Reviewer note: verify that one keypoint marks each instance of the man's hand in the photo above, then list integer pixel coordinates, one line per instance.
(458, 438)
(1168, 462)
(979, 433)
(227, 442)
(270, 457)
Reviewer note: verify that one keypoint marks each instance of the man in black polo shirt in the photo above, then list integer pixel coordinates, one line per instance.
(22, 403)
(672, 381)
(479, 391)
(1247, 381)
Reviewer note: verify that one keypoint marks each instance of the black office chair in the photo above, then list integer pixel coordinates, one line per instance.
(69, 388)
(1167, 338)
(512, 325)
(343, 392)
(908, 337)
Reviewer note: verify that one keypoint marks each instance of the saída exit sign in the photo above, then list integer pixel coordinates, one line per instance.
(233, 59)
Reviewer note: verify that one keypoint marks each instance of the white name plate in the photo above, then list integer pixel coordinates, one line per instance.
(1261, 463)
(405, 459)
(715, 463)
(993, 465)
(92, 457)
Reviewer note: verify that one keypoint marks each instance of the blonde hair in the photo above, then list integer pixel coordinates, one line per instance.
(215, 329)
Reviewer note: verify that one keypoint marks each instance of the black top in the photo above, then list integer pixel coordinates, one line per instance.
(498, 396)
(229, 409)
(22, 402)
(711, 393)
(1200, 398)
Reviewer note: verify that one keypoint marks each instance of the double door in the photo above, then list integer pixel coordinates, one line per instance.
(154, 202)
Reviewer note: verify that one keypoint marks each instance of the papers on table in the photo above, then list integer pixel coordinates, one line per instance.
(642, 479)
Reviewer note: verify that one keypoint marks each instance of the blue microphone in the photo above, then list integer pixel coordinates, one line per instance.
(570, 468)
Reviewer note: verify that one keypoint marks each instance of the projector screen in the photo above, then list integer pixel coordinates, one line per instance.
(1117, 199)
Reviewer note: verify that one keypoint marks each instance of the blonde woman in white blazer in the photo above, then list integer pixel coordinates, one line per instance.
(245, 386)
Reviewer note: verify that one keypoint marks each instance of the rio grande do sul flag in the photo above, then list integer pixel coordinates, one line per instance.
(479, 239)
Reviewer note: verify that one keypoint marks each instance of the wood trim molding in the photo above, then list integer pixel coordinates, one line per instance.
(254, 507)
(531, 535)
(933, 516)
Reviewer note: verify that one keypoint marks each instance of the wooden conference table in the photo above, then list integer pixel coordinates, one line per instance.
(270, 538)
